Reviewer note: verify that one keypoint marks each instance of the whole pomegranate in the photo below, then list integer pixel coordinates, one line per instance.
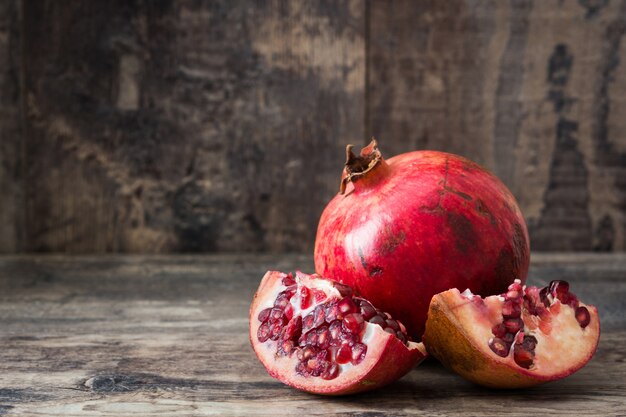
(404, 229)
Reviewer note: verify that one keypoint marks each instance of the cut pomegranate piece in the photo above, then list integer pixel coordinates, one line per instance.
(524, 337)
(334, 342)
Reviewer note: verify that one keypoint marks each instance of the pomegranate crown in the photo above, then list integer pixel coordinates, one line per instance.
(357, 167)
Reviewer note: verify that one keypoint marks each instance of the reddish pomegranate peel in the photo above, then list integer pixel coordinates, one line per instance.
(404, 229)
(524, 337)
(315, 335)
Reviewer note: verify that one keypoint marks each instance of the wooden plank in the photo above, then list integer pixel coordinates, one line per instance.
(10, 128)
(142, 335)
(532, 89)
(187, 126)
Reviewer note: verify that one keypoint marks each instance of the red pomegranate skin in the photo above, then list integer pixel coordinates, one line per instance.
(418, 224)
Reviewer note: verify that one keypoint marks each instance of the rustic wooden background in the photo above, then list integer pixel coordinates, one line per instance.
(161, 126)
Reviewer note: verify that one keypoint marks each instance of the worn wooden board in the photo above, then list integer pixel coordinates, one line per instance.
(187, 126)
(532, 89)
(132, 126)
(11, 224)
(141, 335)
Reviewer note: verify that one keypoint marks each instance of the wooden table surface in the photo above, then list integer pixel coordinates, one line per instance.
(167, 335)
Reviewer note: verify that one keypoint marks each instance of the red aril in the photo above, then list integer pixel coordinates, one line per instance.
(337, 344)
(404, 229)
(545, 337)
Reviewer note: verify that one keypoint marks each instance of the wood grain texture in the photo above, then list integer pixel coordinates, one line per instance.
(187, 126)
(535, 90)
(148, 335)
(11, 224)
(220, 126)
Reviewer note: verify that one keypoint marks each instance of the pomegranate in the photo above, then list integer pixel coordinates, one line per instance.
(316, 335)
(404, 229)
(524, 337)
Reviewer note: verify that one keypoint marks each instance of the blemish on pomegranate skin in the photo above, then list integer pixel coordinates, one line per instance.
(375, 271)
(362, 257)
(483, 210)
(464, 230)
(391, 241)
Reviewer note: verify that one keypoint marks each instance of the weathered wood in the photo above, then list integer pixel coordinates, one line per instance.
(143, 335)
(219, 126)
(532, 89)
(10, 128)
(187, 126)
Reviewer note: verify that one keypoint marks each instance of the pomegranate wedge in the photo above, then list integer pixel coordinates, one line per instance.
(524, 337)
(316, 335)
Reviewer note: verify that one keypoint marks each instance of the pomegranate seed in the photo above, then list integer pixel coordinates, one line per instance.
(499, 347)
(508, 338)
(275, 330)
(312, 364)
(367, 310)
(583, 316)
(344, 355)
(511, 309)
(347, 338)
(523, 357)
(319, 316)
(558, 287)
(305, 298)
(529, 343)
(354, 323)
(323, 337)
(335, 332)
(293, 329)
(286, 347)
(379, 321)
(513, 325)
(276, 314)
(401, 336)
(499, 330)
(311, 338)
(390, 330)
(358, 353)
(301, 369)
(572, 301)
(322, 355)
(306, 353)
(264, 315)
(543, 295)
(289, 311)
(263, 333)
(393, 324)
(511, 295)
(331, 372)
(346, 306)
(332, 311)
(532, 300)
(288, 280)
(307, 322)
